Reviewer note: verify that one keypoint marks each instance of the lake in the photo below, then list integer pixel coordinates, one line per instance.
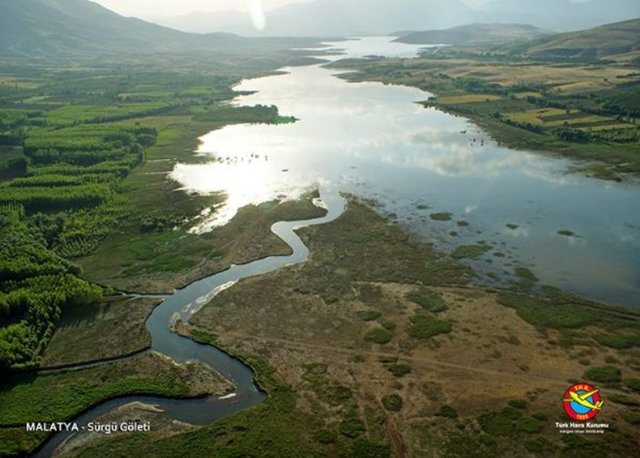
(375, 141)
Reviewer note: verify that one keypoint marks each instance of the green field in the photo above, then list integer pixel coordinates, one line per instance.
(83, 160)
(83, 163)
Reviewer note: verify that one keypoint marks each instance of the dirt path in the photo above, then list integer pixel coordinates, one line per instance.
(429, 361)
(399, 447)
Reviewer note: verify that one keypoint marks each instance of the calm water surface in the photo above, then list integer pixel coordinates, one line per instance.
(375, 141)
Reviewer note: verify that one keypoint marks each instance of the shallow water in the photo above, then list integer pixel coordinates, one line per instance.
(373, 140)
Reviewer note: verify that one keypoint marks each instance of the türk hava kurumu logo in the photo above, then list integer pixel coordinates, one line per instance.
(582, 402)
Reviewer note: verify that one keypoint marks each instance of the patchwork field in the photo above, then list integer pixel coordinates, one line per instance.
(585, 111)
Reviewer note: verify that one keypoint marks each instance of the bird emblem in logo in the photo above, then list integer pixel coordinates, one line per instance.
(582, 402)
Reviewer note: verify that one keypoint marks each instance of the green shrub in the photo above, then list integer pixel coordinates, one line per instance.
(632, 418)
(392, 402)
(399, 369)
(364, 448)
(425, 327)
(388, 359)
(428, 300)
(337, 394)
(537, 445)
(518, 403)
(471, 445)
(511, 412)
(447, 411)
(604, 374)
(368, 315)
(528, 425)
(352, 427)
(325, 436)
(378, 335)
(624, 400)
(388, 325)
(540, 416)
(619, 342)
(633, 383)
(544, 314)
(496, 424)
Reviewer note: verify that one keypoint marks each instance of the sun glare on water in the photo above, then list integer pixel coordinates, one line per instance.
(244, 179)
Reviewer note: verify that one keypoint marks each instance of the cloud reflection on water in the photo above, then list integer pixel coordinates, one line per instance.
(374, 140)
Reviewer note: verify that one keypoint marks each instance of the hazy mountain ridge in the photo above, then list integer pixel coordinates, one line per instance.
(59, 27)
(474, 33)
(336, 18)
(81, 27)
(381, 17)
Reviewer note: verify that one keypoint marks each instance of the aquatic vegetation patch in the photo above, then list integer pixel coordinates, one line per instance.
(469, 251)
(442, 216)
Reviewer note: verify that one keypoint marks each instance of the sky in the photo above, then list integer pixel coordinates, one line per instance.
(168, 8)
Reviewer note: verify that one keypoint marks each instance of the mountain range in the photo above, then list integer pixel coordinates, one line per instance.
(45, 27)
(336, 18)
(620, 40)
(381, 17)
(82, 28)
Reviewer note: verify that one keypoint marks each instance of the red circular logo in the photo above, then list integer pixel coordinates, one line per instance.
(582, 402)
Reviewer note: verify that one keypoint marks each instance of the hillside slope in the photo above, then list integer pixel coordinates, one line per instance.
(62, 27)
(475, 33)
(560, 15)
(611, 40)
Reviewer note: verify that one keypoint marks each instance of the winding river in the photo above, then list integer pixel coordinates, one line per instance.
(181, 305)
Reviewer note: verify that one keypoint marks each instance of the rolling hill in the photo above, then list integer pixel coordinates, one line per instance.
(474, 34)
(619, 40)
